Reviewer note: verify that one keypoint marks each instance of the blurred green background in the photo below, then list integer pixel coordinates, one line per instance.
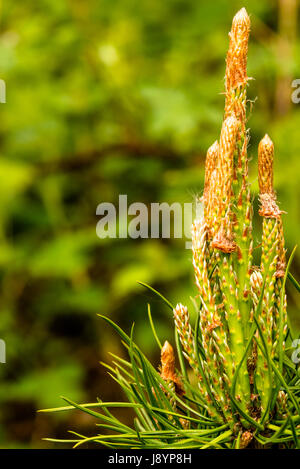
(106, 98)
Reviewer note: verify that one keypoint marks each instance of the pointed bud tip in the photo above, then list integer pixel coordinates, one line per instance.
(242, 15)
(242, 12)
(213, 149)
(167, 360)
(214, 145)
(167, 351)
(241, 19)
(166, 346)
(266, 142)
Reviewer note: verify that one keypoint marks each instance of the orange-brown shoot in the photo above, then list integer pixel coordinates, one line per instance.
(167, 361)
(269, 207)
(265, 165)
(168, 372)
(223, 239)
(236, 61)
(228, 136)
(211, 186)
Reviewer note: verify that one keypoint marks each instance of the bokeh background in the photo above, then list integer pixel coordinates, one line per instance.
(106, 98)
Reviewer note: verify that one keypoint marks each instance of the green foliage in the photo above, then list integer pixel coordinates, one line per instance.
(157, 424)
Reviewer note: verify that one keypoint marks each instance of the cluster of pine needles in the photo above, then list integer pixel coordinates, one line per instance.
(238, 385)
